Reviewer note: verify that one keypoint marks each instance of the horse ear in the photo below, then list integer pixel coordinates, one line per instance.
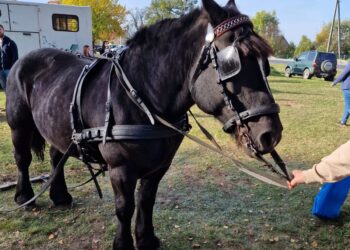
(215, 11)
(231, 4)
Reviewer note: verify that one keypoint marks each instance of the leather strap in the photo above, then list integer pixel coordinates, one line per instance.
(231, 23)
(272, 108)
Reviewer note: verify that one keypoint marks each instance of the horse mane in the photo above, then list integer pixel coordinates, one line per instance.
(172, 28)
(166, 29)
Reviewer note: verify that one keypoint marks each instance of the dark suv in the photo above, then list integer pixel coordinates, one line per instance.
(313, 63)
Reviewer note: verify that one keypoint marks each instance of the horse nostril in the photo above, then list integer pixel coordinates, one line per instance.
(265, 141)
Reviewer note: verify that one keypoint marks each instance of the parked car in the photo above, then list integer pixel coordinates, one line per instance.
(313, 63)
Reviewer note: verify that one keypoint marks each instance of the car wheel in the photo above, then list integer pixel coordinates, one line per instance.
(307, 74)
(329, 78)
(288, 72)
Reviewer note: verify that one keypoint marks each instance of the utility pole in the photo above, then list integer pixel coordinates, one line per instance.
(337, 9)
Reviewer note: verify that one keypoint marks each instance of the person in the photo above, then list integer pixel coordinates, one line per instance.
(86, 51)
(8, 56)
(104, 48)
(345, 78)
(332, 168)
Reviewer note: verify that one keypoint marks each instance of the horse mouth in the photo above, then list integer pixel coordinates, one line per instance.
(253, 147)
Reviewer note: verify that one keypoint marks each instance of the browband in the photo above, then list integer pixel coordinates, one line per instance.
(231, 24)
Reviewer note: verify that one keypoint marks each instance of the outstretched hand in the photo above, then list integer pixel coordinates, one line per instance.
(298, 179)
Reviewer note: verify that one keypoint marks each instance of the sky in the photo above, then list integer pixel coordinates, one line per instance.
(296, 17)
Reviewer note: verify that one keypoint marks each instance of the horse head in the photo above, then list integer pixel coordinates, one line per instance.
(229, 79)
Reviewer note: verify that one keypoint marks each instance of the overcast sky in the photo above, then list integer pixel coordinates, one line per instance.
(296, 17)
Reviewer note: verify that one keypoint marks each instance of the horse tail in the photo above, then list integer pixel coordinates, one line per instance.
(38, 144)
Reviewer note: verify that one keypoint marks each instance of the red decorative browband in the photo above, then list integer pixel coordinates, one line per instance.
(231, 24)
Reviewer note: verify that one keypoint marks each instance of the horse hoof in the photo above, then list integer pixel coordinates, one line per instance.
(62, 200)
(149, 244)
(119, 244)
(23, 198)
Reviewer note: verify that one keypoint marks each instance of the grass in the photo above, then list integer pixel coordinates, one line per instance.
(203, 201)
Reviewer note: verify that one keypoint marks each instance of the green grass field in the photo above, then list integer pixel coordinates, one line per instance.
(203, 201)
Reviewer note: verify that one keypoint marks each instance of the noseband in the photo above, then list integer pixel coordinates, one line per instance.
(227, 64)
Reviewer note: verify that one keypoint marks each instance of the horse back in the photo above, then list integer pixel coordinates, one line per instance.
(40, 89)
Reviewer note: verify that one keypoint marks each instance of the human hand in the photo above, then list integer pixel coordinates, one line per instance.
(298, 179)
(333, 84)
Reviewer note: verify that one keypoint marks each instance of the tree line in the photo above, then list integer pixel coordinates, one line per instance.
(267, 25)
(111, 20)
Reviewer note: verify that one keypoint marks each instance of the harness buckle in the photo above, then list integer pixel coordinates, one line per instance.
(76, 137)
(133, 93)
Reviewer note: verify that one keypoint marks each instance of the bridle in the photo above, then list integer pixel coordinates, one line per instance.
(227, 64)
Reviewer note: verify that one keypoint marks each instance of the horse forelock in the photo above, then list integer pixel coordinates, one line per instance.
(255, 45)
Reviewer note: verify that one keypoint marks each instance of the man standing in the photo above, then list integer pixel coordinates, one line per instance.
(345, 78)
(8, 56)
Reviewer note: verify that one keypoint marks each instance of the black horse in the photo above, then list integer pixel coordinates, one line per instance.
(167, 65)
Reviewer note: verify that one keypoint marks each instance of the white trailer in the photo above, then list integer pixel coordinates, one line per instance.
(37, 25)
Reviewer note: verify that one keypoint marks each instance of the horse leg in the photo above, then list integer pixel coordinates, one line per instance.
(58, 190)
(21, 139)
(123, 184)
(144, 230)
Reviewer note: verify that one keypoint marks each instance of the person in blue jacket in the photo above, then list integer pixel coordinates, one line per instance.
(8, 56)
(345, 78)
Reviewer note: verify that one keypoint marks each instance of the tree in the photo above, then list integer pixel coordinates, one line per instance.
(290, 51)
(266, 25)
(322, 38)
(304, 44)
(161, 9)
(107, 17)
(135, 21)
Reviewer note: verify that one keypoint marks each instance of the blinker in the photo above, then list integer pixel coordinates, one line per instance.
(228, 61)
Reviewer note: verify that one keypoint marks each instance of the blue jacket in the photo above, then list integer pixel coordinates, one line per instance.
(344, 77)
(8, 53)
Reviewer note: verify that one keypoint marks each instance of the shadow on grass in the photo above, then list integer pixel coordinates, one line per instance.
(2, 116)
(275, 72)
(294, 93)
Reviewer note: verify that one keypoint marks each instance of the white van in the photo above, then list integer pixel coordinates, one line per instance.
(35, 25)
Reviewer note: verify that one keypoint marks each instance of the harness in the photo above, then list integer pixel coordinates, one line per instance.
(86, 139)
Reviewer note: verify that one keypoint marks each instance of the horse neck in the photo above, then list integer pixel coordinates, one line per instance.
(161, 68)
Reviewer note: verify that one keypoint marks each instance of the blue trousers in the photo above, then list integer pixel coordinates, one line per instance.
(3, 78)
(346, 114)
(330, 199)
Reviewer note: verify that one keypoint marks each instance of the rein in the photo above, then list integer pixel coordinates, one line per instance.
(216, 148)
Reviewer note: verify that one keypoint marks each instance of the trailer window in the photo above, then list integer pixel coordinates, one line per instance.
(61, 22)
